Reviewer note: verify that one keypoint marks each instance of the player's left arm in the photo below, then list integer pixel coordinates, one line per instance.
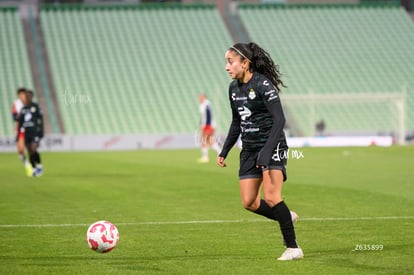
(208, 115)
(20, 121)
(274, 106)
(15, 114)
(40, 122)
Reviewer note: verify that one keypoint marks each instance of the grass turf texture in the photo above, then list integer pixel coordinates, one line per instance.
(176, 216)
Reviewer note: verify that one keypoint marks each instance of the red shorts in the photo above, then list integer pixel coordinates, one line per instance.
(208, 130)
(19, 136)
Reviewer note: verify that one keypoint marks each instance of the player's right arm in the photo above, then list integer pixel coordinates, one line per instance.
(220, 162)
(15, 113)
(19, 122)
(231, 139)
(15, 116)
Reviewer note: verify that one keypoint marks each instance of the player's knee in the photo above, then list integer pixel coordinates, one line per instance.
(250, 205)
(32, 150)
(272, 195)
(272, 200)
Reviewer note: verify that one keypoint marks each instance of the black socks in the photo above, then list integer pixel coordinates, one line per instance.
(282, 213)
(34, 159)
(265, 210)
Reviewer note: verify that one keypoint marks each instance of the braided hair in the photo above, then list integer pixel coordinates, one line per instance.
(260, 61)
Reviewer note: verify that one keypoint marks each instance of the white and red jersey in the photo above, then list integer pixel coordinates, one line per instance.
(206, 114)
(16, 108)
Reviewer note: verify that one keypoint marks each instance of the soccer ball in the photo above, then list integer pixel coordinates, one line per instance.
(102, 236)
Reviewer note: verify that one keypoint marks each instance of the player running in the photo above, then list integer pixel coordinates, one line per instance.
(258, 116)
(31, 125)
(16, 108)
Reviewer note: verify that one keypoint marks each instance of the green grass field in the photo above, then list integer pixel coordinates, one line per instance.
(179, 217)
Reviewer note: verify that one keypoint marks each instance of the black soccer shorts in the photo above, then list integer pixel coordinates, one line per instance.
(30, 139)
(248, 159)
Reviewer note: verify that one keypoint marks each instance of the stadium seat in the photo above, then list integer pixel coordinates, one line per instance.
(142, 67)
(14, 65)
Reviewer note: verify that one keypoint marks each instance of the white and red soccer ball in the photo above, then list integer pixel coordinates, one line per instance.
(102, 236)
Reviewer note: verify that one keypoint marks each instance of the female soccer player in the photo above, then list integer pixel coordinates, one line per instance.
(31, 124)
(257, 115)
(16, 108)
(207, 125)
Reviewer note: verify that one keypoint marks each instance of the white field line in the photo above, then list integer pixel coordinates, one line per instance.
(212, 221)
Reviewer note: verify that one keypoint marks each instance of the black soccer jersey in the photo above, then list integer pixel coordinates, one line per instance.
(31, 120)
(257, 116)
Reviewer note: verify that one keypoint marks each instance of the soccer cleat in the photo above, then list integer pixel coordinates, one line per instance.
(203, 160)
(38, 172)
(295, 217)
(29, 170)
(291, 254)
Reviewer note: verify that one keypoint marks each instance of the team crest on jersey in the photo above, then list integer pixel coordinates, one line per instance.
(33, 109)
(252, 94)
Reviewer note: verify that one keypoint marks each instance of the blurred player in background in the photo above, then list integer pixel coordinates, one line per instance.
(258, 116)
(207, 126)
(31, 125)
(16, 108)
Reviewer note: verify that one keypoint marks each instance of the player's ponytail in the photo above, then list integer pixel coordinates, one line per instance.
(260, 61)
(263, 63)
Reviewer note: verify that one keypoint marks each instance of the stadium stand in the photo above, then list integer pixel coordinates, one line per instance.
(138, 69)
(339, 49)
(120, 70)
(14, 65)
